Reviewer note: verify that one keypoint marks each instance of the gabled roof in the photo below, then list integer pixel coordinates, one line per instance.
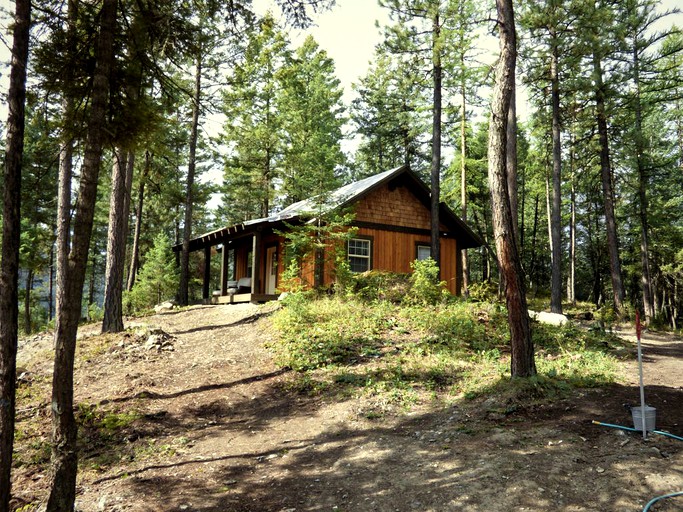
(342, 197)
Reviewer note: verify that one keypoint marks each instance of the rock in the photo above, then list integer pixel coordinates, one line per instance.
(159, 340)
(164, 306)
(548, 318)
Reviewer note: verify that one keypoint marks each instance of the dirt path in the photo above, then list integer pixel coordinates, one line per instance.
(223, 431)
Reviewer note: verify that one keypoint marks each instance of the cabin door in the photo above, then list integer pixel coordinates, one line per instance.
(271, 270)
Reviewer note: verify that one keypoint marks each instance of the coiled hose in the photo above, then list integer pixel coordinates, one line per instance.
(653, 500)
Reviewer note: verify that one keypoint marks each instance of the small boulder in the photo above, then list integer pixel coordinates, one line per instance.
(548, 318)
(164, 306)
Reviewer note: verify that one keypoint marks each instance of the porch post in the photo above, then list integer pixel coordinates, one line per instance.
(225, 263)
(207, 272)
(256, 260)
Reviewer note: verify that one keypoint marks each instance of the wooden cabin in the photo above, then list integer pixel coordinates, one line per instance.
(392, 217)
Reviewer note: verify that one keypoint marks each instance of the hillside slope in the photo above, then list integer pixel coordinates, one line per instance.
(202, 419)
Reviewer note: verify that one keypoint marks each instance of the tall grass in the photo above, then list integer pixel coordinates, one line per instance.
(455, 347)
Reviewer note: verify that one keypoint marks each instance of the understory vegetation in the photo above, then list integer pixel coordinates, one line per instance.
(379, 342)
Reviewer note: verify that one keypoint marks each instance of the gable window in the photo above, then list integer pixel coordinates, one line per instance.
(423, 252)
(359, 251)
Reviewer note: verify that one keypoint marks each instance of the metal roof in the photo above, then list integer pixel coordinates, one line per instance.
(337, 198)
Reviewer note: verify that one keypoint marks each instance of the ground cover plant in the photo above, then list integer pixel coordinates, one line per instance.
(450, 349)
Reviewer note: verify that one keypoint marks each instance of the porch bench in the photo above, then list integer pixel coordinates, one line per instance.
(243, 285)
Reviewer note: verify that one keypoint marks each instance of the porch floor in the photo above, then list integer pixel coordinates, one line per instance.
(242, 297)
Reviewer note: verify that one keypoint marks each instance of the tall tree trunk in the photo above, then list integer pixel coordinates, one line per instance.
(511, 160)
(522, 362)
(436, 141)
(556, 214)
(112, 320)
(189, 194)
(607, 188)
(69, 295)
(66, 150)
(28, 324)
(51, 283)
(11, 239)
(534, 234)
(135, 251)
(643, 183)
(571, 288)
(463, 173)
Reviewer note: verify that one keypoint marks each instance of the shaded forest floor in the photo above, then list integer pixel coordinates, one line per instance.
(203, 420)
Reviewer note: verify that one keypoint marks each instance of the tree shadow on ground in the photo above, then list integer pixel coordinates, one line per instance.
(251, 319)
(467, 456)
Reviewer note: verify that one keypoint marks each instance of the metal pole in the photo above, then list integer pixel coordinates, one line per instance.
(640, 371)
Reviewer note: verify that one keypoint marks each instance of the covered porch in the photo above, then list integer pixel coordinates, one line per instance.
(250, 256)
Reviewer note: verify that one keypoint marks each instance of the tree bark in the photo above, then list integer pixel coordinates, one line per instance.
(463, 173)
(556, 213)
(522, 362)
(11, 239)
(69, 295)
(135, 251)
(571, 288)
(112, 320)
(643, 183)
(436, 142)
(65, 160)
(607, 188)
(28, 324)
(511, 160)
(189, 194)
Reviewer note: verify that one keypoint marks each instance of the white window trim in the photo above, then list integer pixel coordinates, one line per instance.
(360, 256)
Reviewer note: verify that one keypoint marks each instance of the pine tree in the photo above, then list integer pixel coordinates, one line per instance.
(522, 348)
(312, 117)
(388, 116)
(158, 278)
(253, 128)
(9, 272)
(64, 460)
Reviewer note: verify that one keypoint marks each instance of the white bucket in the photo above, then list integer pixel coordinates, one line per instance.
(650, 416)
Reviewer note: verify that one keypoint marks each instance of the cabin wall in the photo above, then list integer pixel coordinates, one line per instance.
(395, 206)
(385, 215)
(395, 251)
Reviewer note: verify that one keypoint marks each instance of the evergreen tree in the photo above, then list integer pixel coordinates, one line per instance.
(522, 362)
(158, 278)
(64, 459)
(11, 234)
(388, 115)
(253, 130)
(312, 118)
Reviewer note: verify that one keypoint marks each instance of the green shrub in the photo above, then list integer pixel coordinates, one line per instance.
(316, 333)
(425, 287)
(459, 326)
(485, 291)
(375, 285)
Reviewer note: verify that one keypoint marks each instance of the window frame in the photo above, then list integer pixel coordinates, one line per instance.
(422, 244)
(369, 257)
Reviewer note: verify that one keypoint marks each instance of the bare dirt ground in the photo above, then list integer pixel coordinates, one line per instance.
(221, 428)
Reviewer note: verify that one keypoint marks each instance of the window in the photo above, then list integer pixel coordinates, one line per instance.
(423, 252)
(359, 254)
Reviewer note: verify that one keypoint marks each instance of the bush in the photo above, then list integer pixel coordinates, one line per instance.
(316, 333)
(459, 326)
(375, 285)
(425, 287)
